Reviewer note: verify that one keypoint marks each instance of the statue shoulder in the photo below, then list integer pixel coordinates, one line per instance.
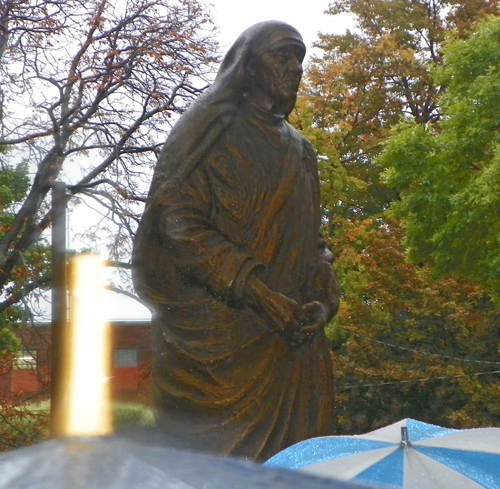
(308, 147)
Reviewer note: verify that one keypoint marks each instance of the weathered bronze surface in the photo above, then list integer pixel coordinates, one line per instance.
(229, 256)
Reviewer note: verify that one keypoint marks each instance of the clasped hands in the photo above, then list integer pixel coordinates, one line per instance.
(298, 323)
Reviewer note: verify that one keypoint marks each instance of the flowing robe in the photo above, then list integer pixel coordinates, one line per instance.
(224, 378)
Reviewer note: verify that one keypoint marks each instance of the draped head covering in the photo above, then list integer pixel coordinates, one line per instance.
(207, 117)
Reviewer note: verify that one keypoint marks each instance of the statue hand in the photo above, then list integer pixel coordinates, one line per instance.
(317, 314)
(307, 324)
(284, 313)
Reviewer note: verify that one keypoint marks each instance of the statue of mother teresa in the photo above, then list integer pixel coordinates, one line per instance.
(229, 256)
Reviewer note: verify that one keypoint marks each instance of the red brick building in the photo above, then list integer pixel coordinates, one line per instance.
(29, 375)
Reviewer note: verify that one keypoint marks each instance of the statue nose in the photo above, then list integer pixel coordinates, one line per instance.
(295, 65)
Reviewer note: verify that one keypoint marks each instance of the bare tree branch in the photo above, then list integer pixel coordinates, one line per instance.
(125, 293)
(88, 91)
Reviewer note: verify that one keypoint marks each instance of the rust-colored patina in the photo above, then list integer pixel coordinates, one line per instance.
(229, 256)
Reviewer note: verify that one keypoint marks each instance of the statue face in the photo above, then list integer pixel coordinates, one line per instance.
(277, 72)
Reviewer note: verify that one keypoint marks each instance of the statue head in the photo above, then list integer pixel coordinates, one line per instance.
(275, 69)
(264, 64)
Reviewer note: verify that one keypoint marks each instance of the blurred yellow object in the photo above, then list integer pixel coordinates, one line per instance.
(84, 407)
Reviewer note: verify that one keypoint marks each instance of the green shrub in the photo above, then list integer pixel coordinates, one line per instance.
(131, 415)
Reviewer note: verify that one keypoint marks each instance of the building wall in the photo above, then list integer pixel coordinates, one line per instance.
(131, 354)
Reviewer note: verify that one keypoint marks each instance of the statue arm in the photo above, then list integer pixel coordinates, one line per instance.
(289, 318)
(324, 295)
(199, 251)
(326, 287)
(325, 290)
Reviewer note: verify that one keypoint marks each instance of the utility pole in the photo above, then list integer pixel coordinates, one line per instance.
(59, 299)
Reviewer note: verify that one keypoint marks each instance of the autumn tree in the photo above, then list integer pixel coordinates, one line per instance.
(369, 79)
(449, 175)
(400, 334)
(407, 345)
(88, 90)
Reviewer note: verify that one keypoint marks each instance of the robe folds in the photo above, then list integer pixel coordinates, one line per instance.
(223, 378)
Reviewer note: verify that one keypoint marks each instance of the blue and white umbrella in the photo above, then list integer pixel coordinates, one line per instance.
(408, 454)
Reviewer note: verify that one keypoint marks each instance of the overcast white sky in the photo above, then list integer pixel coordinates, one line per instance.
(308, 17)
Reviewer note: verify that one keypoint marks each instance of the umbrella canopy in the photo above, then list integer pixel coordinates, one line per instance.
(408, 454)
(114, 463)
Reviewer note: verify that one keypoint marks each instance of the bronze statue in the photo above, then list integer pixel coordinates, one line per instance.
(228, 254)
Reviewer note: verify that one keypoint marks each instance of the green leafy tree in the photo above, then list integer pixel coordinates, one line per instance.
(369, 79)
(18, 425)
(449, 175)
(14, 184)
